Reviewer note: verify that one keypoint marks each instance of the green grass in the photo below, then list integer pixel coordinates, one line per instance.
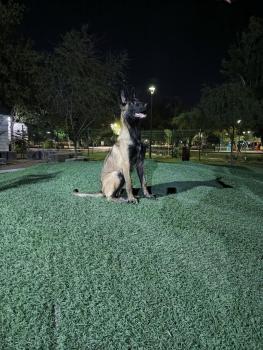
(95, 155)
(210, 158)
(180, 272)
(214, 158)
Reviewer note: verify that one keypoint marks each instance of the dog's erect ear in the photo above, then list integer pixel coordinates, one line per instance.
(123, 97)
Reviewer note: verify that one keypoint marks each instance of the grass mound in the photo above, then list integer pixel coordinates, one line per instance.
(179, 272)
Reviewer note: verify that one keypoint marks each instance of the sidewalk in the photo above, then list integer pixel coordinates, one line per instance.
(19, 165)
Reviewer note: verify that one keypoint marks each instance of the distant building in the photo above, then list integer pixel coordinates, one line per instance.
(9, 130)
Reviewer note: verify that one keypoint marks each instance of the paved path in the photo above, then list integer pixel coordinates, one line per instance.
(18, 165)
(10, 170)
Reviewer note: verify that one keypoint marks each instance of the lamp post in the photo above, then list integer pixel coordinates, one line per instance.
(238, 131)
(152, 90)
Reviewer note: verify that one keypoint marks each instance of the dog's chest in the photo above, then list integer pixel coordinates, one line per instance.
(134, 149)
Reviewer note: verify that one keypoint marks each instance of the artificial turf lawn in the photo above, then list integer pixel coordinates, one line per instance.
(179, 272)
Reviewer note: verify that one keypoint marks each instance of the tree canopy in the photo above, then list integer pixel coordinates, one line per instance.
(18, 60)
(244, 65)
(245, 58)
(80, 88)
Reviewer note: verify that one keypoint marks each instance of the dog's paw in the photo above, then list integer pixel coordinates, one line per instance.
(133, 200)
(150, 196)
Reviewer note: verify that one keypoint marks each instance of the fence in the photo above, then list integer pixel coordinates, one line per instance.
(204, 145)
(169, 144)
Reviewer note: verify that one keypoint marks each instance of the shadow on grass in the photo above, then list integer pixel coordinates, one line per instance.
(27, 180)
(165, 189)
(150, 167)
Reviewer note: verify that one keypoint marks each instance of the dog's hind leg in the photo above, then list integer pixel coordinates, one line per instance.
(112, 184)
(119, 190)
(112, 187)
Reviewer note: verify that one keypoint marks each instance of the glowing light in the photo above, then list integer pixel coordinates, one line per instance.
(116, 128)
(239, 121)
(152, 89)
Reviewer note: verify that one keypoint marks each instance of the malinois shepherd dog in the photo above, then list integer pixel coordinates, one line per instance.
(128, 152)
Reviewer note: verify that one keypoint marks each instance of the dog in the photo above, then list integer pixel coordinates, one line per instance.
(128, 152)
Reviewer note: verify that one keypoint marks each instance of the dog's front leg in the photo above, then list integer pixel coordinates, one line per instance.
(127, 177)
(140, 172)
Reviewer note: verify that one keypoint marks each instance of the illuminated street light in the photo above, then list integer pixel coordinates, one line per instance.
(239, 121)
(152, 90)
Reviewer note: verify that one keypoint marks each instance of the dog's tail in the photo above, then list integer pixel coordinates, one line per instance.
(86, 194)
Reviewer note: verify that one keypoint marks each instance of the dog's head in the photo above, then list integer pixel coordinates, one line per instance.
(132, 110)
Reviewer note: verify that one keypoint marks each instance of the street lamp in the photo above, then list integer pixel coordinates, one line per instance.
(152, 90)
(238, 122)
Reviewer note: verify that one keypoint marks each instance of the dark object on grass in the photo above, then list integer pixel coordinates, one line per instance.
(224, 185)
(175, 187)
(171, 190)
(185, 153)
(136, 191)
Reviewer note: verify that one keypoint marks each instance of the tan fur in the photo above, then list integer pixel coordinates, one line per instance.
(117, 162)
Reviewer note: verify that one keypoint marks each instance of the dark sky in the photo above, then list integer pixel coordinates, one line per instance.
(177, 45)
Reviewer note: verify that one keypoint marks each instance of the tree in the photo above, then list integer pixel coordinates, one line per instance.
(245, 66)
(245, 61)
(190, 123)
(226, 104)
(18, 60)
(164, 110)
(79, 87)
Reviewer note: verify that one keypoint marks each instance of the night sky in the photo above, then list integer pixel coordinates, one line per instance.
(177, 45)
